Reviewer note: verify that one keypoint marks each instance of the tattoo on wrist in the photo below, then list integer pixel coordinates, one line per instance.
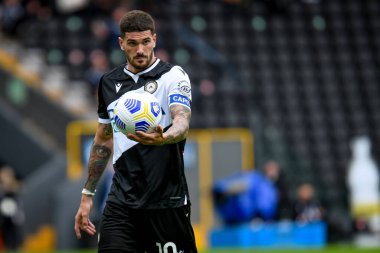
(107, 131)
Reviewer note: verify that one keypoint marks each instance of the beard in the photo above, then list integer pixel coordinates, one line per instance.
(140, 62)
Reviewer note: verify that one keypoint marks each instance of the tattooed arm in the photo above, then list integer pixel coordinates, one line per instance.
(101, 151)
(177, 132)
(180, 128)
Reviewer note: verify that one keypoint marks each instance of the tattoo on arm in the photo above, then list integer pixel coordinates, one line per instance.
(101, 151)
(107, 131)
(180, 128)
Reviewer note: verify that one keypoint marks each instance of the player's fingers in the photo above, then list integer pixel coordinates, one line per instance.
(84, 220)
(90, 224)
(132, 137)
(90, 230)
(159, 129)
(77, 230)
(141, 134)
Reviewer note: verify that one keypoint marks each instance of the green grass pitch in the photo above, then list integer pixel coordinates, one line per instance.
(329, 249)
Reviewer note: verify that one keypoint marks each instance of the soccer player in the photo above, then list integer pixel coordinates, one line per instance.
(148, 207)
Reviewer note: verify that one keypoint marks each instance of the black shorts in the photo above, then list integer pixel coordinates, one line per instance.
(144, 230)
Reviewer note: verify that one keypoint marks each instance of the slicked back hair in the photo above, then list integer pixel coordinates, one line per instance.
(136, 21)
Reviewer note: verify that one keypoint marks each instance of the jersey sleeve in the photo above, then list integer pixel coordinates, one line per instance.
(102, 107)
(180, 88)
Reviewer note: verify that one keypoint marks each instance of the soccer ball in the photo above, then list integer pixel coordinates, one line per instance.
(137, 111)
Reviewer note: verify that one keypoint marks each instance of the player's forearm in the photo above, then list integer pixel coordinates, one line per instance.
(99, 157)
(101, 151)
(180, 127)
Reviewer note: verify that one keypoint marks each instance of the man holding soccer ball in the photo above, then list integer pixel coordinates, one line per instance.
(148, 208)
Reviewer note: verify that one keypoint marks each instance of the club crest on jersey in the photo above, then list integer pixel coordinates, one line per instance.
(151, 86)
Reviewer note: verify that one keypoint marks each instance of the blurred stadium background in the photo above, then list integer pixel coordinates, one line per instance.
(287, 80)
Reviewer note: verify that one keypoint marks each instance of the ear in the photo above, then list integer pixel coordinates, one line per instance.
(121, 43)
(154, 40)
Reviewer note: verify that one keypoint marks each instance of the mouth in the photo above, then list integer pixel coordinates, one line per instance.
(140, 57)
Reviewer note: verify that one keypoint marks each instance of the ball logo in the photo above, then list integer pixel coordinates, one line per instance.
(155, 108)
(142, 126)
(119, 123)
(132, 105)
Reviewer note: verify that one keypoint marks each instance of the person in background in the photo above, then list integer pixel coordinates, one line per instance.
(273, 172)
(148, 207)
(99, 65)
(11, 213)
(306, 208)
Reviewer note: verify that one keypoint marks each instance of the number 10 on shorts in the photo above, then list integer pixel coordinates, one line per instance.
(166, 246)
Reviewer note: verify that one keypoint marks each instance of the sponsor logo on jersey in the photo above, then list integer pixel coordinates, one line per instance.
(184, 88)
(151, 86)
(179, 99)
(118, 86)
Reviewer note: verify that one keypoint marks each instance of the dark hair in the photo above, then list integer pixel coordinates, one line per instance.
(136, 21)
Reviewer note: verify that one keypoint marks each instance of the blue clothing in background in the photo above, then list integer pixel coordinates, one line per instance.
(244, 196)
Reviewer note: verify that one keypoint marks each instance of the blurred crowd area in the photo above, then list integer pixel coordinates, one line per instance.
(69, 44)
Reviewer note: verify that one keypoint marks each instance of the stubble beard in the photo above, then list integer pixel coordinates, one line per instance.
(134, 62)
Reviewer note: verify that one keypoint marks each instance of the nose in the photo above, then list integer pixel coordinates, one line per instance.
(140, 49)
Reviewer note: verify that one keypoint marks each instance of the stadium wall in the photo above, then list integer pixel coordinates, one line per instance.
(19, 149)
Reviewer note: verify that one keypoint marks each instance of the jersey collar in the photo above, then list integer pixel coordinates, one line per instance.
(137, 75)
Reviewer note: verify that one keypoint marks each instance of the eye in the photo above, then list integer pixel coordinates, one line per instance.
(146, 42)
(131, 43)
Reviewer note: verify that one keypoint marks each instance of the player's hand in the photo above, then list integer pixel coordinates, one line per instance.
(154, 138)
(82, 221)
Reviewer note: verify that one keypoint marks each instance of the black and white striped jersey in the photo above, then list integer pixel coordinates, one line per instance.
(146, 176)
